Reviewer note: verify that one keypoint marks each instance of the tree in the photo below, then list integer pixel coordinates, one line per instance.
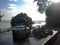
(43, 4)
(1, 17)
(21, 18)
(53, 15)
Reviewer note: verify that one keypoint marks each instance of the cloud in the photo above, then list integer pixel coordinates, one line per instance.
(31, 10)
(12, 0)
(12, 6)
(7, 14)
(7, 17)
(28, 1)
(5, 11)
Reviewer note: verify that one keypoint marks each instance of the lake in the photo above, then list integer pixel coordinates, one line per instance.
(5, 24)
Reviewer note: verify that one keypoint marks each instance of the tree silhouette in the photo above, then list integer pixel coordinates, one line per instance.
(53, 15)
(1, 17)
(43, 4)
(21, 18)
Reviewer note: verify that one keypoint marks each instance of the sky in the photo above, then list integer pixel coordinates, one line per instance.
(10, 8)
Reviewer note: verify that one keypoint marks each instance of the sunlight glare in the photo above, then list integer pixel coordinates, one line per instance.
(56, 1)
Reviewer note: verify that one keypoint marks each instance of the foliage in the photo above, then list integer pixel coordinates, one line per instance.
(52, 12)
(0, 17)
(21, 18)
(43, 4)
(42, 32)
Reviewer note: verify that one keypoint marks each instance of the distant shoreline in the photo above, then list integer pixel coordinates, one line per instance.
(5, 21)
